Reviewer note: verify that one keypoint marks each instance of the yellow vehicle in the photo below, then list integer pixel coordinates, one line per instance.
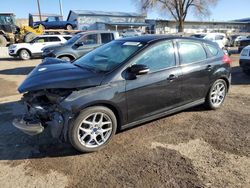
(10, 33)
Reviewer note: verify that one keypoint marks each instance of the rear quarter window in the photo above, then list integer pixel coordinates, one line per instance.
(213, 50)
(191, 52)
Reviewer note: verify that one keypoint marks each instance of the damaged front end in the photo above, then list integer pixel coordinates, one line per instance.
(43, 110)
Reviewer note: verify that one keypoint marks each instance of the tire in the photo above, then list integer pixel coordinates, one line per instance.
(89, 137)
(29, 37)
(3, 41)
(69, 27)
(216, 94)
(24, 54)
(65, 58)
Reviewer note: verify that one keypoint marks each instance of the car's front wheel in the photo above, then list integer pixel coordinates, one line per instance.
(69, 27)
(93, 129)
(24, 54)
(216, 94)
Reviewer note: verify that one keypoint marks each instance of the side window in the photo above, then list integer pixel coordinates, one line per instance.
(41, 40)
(54, 39)
(106, 37)
(219, 37)
(213, 50)
(191, 52)
(89, 39)
(67, 38)
(158, 57)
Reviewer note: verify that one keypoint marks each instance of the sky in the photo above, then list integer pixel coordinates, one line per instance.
(225, 9)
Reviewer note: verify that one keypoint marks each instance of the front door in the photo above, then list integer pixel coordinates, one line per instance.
(157, 91)
(88, 43)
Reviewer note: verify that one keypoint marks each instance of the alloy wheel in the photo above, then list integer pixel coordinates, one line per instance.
(218, 94)
(95, 130)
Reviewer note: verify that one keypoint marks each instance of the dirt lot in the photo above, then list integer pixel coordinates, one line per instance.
(194, 148)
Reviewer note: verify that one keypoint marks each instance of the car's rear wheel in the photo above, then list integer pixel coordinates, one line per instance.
(69, 27)
(65, 58)
(216, 94)
(93, 129)
(24, 54)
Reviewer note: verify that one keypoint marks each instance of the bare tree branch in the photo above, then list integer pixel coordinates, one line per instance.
(179, 9)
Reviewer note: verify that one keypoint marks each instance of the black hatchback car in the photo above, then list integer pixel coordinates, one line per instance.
(121, 84)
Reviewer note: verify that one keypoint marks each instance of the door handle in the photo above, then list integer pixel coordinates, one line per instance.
(209, 68)
(172, 77)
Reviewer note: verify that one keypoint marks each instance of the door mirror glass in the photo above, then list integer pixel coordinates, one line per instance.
(139, 69)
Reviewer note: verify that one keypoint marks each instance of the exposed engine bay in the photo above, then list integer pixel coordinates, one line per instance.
(42, 110)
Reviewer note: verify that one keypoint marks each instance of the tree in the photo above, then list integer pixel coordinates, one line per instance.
(179, 9)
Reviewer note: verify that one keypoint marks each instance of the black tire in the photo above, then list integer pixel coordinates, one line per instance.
(74, 130)
(3, 41)
(65, 58)
(69, 27)
(29, 37)
(210, 103)
(24, 54)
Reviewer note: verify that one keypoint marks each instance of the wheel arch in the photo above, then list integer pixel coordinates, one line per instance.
(72, 57)
(112, 107)
(18, 51)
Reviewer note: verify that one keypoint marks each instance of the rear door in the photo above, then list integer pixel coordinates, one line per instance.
(157, 91)
(38, 44)
(195, 70)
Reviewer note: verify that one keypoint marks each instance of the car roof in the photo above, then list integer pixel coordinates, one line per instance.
(96, 31)
(156, 38)
(55, 35)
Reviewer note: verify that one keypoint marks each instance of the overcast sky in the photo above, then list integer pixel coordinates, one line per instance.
(225, 10)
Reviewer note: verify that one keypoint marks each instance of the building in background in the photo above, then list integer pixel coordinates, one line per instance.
(100, 20)
(171, 26)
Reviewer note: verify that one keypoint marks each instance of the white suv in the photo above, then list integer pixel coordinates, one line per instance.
(219, 38)
(34, 48)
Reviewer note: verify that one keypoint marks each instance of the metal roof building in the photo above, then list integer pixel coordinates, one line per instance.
(101, 20)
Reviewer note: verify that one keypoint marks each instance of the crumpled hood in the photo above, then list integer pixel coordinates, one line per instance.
(59, 74)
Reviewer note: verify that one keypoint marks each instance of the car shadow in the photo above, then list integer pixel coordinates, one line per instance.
(17, 71)
(15, 145)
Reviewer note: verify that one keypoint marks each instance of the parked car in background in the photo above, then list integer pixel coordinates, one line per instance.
(121, 84)
(54, 22)
(243, 43)
(199, 35)
(34, 48)
(132, 33)
(220, 38)
(245, 60)
(80, 44)
(238, 39)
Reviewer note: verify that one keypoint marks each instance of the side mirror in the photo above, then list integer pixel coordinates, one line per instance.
(139, 69)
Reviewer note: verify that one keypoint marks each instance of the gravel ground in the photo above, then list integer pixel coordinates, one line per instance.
(194, 148)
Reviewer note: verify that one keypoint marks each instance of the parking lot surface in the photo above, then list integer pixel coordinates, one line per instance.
(193, 148)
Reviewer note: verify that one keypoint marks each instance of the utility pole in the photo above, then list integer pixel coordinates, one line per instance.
(39, 10)
(61, 9)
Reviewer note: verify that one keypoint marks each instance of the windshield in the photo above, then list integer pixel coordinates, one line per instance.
(73, 39)
(108, 56)
(7, 19)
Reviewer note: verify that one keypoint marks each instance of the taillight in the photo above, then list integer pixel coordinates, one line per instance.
(226, 59)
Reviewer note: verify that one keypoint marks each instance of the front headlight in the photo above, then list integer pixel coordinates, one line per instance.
(12, 46)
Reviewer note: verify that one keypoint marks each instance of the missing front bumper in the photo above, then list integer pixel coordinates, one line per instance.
(30, 128)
